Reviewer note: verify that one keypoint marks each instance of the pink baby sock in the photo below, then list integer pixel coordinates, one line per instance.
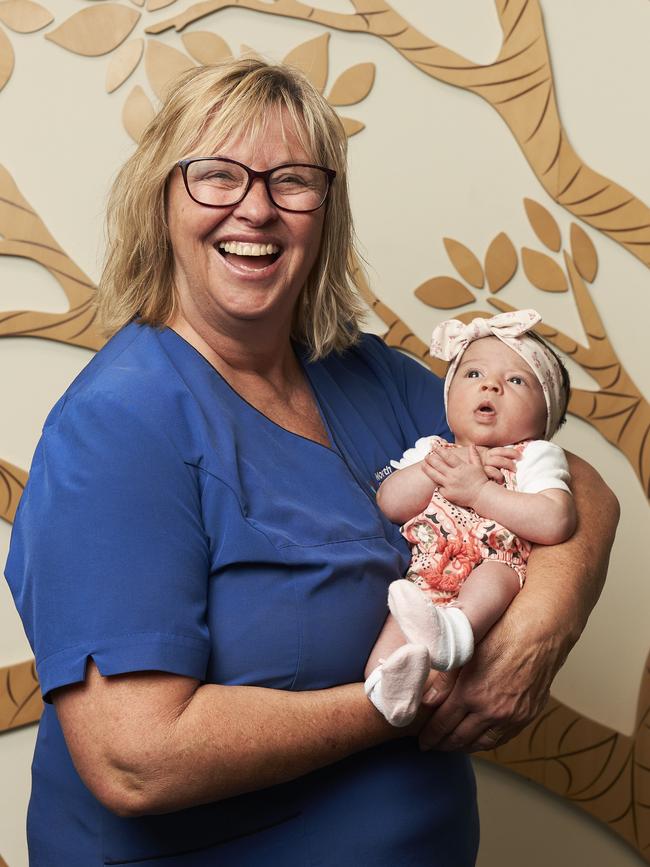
(396, 686)
(443, 629)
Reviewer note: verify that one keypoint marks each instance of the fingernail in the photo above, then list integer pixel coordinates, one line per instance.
(430, 695)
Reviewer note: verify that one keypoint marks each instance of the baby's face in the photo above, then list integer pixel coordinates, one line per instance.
(495, 398)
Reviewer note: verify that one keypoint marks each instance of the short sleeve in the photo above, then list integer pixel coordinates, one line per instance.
(542, 466)
(416, 454)
(109, 558)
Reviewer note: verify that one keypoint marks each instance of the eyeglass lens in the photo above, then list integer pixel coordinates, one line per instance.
(221, 183)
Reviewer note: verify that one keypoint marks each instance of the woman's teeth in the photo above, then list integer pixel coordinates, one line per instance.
(240, 249)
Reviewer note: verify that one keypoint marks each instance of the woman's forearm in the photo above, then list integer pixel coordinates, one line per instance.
(155, 743)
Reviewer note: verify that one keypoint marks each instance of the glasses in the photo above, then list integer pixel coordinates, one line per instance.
(219, 182)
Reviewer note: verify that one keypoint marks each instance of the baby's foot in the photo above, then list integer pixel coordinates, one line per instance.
(396, 686)
(444, 630)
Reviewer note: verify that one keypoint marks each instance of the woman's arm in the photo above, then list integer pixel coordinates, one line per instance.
(153, 743)
(507, 682)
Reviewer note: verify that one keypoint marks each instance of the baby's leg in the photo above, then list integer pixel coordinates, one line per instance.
(450, 631)
(390, 638)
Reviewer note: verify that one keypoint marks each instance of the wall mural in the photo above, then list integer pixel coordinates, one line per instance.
(597, 768)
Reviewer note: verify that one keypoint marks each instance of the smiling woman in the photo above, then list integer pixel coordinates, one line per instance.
(198, 556)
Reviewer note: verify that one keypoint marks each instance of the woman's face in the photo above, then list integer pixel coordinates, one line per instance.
(495, 399)
(219, 291)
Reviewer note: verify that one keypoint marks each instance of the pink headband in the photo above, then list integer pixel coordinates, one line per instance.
(451, 338)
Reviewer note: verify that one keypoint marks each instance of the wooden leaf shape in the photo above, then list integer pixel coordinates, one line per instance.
(137, 113)
(351, 127)
(95, 30)
(311, 58)
(163, 64)
(247, 51)
(543, 272)
(122, 63)
(583, 253)
(500, 262)
(138, 2)
(465, 262)
(353, 85)
(544, 225)
(154, 5)
(6, 59)
(24, 16)
(20, 700)
(12, 484)
(443, 293)
(206, 47)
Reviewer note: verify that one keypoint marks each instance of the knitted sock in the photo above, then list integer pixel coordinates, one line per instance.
(396, 686)
(443, 629)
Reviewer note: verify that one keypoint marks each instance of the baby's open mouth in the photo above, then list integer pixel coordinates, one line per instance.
(250, 255)
(486, 408)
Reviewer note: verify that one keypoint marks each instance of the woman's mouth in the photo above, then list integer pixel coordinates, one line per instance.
(248, 255)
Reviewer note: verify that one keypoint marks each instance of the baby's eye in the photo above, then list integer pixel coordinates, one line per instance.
(472, 374)
(517, 380)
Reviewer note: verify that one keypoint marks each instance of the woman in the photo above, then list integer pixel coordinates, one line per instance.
(198, 557)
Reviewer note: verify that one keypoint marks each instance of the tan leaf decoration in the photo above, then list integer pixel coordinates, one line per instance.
(465, 262)
(500, 262)
(20, 698)
(122, 63)
(443, 293)
(206, 47)
(6, 59)
(584, 253)
(247, 51)
(311, 57)
(351, 127)
(26, 236)
(544, 225)
(12, 484)
(162, 64)
(138, 2)
(353, 85)
(95, 30)
(137, 114)
(3, 863)
(543, 272)
(155, 5)
(24, 16)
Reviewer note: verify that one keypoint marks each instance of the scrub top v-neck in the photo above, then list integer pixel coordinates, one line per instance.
(169, 525)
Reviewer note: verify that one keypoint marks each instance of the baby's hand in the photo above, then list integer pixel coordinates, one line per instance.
(457, 480)
(498, 458)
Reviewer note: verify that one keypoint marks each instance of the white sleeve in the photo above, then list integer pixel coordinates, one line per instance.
(416, 454)
(542, 466)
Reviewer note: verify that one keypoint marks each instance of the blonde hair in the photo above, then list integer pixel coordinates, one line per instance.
(205, 107)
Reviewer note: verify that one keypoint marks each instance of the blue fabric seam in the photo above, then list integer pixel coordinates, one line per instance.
(153, 638)
(334, 542)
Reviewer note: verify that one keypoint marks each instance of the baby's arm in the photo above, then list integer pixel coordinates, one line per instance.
(405, 493)
(546, 516)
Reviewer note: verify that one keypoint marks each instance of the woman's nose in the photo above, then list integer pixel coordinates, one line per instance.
(256, 206)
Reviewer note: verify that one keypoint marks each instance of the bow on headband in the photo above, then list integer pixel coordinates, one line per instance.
(451, 338)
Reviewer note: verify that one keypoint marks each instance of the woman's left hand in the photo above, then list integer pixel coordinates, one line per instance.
(504, 686)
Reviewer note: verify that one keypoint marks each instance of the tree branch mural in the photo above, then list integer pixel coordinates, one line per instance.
(518, 85)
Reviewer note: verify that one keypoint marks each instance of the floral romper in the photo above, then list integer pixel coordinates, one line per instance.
(448, 541)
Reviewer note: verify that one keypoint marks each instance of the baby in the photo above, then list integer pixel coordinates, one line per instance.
(470, 536)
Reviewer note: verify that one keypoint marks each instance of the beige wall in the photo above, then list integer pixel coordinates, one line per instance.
(434, 161)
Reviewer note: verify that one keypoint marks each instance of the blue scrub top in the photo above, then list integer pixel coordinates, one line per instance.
(169, 525)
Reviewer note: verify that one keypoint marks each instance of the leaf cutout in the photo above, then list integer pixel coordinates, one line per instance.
(353, 85)
(122, 63)
(163, 64)
(137, 113)
(155, 5)
(311, 57)
(206, 47)
(500, 262)
(544, 225)
(138, 2)
(247, 51)
(543, 272)
(351, 127)
(96, 30)
(20, 698)
(12, 484)
(443, 293)
(6, 59)
(24, 16)
(465, 262)
(583, 253)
